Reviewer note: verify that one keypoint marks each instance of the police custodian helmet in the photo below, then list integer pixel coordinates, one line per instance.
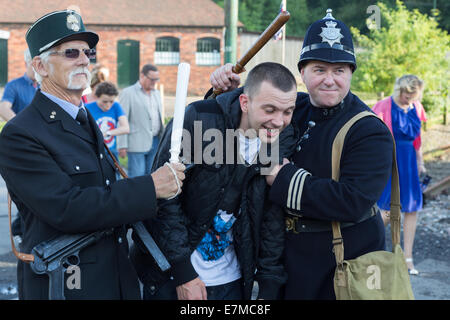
(55, 28)
(328, 40)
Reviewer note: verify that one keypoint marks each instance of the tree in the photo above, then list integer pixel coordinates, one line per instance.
(257, 14)
(424, 6)
(408, 42)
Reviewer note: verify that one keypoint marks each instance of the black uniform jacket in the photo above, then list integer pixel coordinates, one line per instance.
(258, 232)
(63, 183)
(364, 168)
(306, 189)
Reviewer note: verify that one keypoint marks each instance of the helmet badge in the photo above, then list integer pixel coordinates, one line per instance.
(331, 34)
(73, 22)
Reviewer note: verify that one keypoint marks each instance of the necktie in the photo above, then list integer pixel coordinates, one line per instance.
(83, 120)
(82, 116)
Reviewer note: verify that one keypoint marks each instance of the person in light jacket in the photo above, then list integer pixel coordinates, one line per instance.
(141, 103)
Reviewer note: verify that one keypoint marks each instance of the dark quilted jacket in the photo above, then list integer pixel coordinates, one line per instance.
(259, 229)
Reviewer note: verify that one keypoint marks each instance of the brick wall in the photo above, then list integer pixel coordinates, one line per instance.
(107, 51)
(16, 47)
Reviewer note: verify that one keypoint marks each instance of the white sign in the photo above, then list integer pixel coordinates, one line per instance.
(4, 34)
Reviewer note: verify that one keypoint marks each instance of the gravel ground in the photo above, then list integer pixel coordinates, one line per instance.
(8, 277)
(433, 231)
(433, 225)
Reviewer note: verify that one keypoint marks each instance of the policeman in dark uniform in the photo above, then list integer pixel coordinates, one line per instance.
(304, 186)
(55, 166)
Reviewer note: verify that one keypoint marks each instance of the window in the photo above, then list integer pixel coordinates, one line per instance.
(208, 52)
(4, 36)
(167, 51)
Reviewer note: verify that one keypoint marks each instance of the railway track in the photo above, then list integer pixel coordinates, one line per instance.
(437, 188)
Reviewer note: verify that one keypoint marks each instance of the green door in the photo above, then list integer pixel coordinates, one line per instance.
(3, 62)
(127, 62)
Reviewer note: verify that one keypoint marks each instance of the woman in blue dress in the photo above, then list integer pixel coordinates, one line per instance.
(404, 110)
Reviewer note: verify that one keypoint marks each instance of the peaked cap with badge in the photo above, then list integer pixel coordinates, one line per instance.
(55, 28)
(328, 40)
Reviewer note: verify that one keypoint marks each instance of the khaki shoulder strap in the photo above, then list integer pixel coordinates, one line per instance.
(338, 143)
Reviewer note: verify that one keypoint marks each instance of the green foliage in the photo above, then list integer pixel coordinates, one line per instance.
(257, 14)
(408, 42)
(426, 7)
(167, 120)
(123, 162)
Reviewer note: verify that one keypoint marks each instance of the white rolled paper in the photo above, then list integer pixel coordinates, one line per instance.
(178, 116)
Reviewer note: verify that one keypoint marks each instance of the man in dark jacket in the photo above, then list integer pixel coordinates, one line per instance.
(221, 231)
(304, 187)
(57, 171)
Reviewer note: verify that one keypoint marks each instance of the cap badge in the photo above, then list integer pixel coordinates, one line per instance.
(331, 34)
(73, 22)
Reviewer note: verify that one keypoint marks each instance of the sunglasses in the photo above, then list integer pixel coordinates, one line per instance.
(151, 79)
(75, 53)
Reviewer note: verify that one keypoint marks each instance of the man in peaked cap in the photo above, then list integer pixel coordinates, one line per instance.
(303, 184)
(58, 173)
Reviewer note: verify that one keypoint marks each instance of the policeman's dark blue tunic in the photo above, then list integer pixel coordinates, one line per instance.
(306, 190)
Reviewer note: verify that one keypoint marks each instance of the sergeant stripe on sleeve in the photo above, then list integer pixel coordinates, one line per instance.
(293, 186)
(296, 189)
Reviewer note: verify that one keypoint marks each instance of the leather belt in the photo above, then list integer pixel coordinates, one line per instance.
(296, 223)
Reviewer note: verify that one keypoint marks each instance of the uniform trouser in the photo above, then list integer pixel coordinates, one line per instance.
(310, 261)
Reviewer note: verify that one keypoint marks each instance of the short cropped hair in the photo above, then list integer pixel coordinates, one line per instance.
(408, 83)
(147, 68)
(276, 74)
(45, 57)
(107, 88)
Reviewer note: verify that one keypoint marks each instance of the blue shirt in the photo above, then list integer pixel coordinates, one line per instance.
(19, 92)
(106, 120)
